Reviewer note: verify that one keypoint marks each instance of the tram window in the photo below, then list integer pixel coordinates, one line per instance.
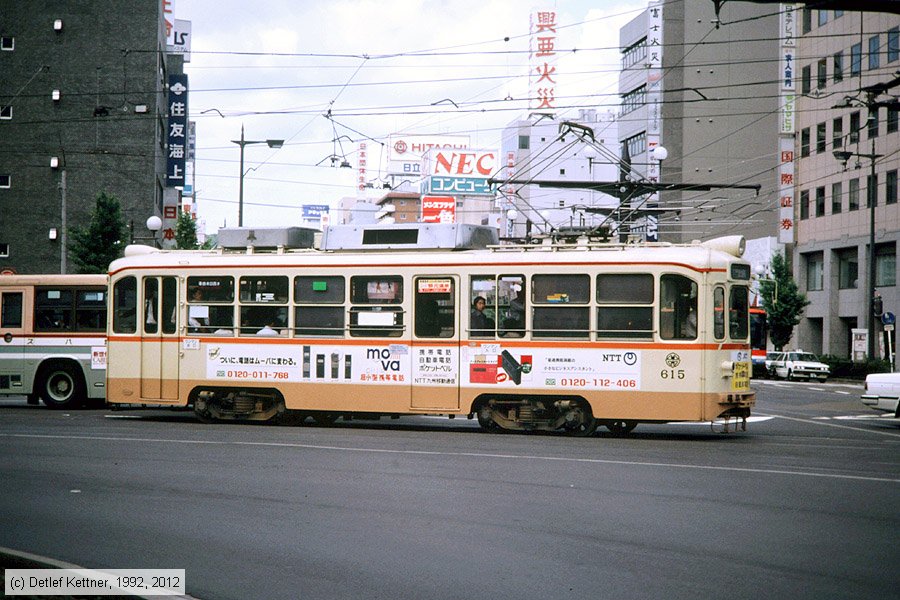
(11, 310)
(512, 304)
(125, 305)
(319, 321)
(264, 289)
(151, 303)
(625, 321)
(483, 306)
(319, 290)
(211, 289)
(738, 313)
(557, 318)
(264, 320)
(677, 308)
(53, 309)
(435, 307)
(372, 315)
(719, 313)
(90, 310)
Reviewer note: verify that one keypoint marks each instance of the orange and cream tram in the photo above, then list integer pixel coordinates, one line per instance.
(384, 321)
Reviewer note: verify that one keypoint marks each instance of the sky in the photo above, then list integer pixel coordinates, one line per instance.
(279, 68)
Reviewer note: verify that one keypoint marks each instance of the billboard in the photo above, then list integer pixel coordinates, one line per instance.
(405, 152)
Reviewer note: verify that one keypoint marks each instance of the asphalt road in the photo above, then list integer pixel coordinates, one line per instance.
(802, 505)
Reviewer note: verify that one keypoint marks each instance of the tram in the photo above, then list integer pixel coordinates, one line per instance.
(436, 320)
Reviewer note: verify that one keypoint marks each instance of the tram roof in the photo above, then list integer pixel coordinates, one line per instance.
(712, 254)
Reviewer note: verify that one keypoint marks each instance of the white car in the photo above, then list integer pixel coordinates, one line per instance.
(882, 392)
(798, 364)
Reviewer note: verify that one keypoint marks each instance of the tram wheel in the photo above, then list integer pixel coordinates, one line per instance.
(620, 427)
(62, 386)
(324, 419)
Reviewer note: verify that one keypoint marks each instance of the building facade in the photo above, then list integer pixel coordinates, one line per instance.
(82, 111)
(707, 92)
(847, 130)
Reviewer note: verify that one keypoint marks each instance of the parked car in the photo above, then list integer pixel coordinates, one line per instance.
(798, 364)
(882, 392)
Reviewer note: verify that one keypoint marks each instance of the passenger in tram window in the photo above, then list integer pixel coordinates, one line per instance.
(480, 323)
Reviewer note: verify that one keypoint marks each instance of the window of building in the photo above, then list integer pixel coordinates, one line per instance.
(821, 137)
(634, 99)
(804, 204)
(838, 63)
(815, 271)
(837, 133)
(848, 268)
(635, 53)
(5, 112)
(871, 191)
(820, 201)
(524, 142)
(873, 123)
(636, 144)
(7, 43)
(893, 44)
(836, 198)
(874, 52)
(560, 306)
(806, 80)
(853, 194)
(886, 265)
(890, 187)
(804, 142)
(854, 127)
(625, 305)
(856, 59)
(821, 74)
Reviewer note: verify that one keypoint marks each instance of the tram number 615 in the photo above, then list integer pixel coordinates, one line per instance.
(672, 373)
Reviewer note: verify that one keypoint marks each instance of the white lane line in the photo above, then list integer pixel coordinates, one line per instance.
(812, 421)
(596, 461)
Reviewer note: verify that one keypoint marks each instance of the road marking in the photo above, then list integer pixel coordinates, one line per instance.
(562, 459)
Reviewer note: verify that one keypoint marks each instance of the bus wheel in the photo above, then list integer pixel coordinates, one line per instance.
(620, 427)
(324, 419)
(62, 386)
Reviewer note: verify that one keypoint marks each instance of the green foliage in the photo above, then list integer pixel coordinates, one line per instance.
(186, 232)
(92, 248)
(782, 301)
(844, 368)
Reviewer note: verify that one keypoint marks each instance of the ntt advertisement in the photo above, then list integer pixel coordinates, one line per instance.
(405, 152)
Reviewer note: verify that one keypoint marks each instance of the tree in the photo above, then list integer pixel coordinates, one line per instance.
(93, 247)
(782, 301)
(186, 232)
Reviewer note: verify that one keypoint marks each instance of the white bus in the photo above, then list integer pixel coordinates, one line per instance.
(53, 338)
(540, 337)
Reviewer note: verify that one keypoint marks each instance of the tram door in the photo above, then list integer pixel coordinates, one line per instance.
(435, 342)
(159, 340)
(12, 342)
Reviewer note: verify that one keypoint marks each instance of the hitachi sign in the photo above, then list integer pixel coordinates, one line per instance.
(459, 163)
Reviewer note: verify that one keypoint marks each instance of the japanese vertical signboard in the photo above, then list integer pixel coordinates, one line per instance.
(787, 88)
(544, 57)
(177, 130)
(654, 106)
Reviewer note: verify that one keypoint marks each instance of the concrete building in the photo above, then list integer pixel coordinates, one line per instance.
(839, 56)
(709, 94)
(82, 111)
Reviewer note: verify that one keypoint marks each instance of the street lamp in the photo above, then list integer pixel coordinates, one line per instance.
(872, 196)
(242, 142)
